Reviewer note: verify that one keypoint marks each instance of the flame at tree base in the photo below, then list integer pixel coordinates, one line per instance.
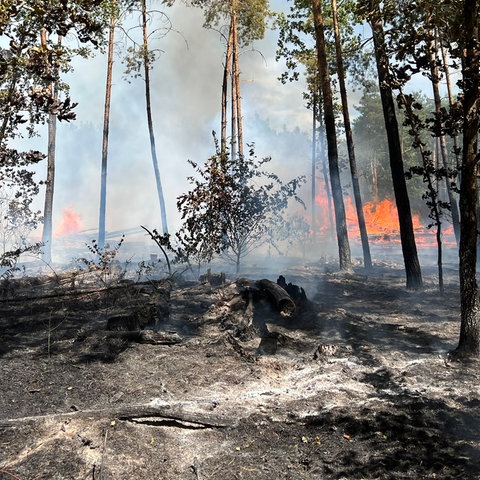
(381, 219)
(71, 223)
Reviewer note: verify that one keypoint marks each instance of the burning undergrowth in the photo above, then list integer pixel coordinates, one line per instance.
(226, 380)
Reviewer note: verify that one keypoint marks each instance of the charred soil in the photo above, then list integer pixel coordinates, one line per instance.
(189, 383)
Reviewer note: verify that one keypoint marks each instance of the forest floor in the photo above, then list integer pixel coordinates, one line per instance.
(356, 384)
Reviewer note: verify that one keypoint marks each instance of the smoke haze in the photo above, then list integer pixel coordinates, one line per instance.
(186, 93)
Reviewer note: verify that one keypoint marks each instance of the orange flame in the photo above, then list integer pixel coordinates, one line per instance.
(381, 219)
(382, 223)
(71, 223)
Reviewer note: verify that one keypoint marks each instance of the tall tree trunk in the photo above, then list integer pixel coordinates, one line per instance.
(373, 165)
(233, 81)
(345, 259)
(429, 177)
(367, 259)
(434, 71)
(326, 176)
(236, 79)
(106, 124)
(146, 64)
(50, 180)
(409, 248)
(232, 65)
(49, 190)
(226, 74)
(314, 161)
(469, 342)
(451, 99)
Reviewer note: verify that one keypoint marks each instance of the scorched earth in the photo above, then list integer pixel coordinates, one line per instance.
(190, 383)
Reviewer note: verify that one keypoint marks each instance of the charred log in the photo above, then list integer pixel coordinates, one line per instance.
(277, 296)
(296, 293)
(152, 337)
(137, 319)
(214, 279)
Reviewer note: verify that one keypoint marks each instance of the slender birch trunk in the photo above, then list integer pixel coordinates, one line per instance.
(434, 71)
(146, 64)
(106, 125)
(237, 91)
(314, 162)
(50, 180)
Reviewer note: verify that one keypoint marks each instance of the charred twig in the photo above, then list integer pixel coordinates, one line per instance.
(238, 348)
(5, 472)
(196, 468)
(155, 238)
(104, 454)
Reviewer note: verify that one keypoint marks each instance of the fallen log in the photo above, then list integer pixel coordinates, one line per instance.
(277, 296)
(152, 337)
(296, 293)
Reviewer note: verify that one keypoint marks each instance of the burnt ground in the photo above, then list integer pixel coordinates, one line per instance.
(357, 384)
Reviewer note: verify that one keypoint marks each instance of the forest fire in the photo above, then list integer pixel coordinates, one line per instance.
(382, 225)
(71, 223)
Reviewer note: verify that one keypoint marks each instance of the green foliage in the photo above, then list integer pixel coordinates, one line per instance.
(296, 47)
(371, 149)
(163, 242)
(28, 70)
(252, 16)
(9, 259)
(298, 232)
(429, 172)
(233, 208)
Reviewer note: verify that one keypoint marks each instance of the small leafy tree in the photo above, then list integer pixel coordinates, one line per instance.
(233, 206)
(429, 171)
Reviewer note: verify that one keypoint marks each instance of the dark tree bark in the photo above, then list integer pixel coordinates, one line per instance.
(106, 125)
(277, 296)
(409, 248)
(469, 343)
(345, 259)
(367, 259)
(429, 178)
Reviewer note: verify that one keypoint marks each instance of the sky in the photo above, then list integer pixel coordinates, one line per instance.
(186, 89)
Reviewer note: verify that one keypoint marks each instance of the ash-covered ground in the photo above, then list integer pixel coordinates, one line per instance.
(355, 384)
